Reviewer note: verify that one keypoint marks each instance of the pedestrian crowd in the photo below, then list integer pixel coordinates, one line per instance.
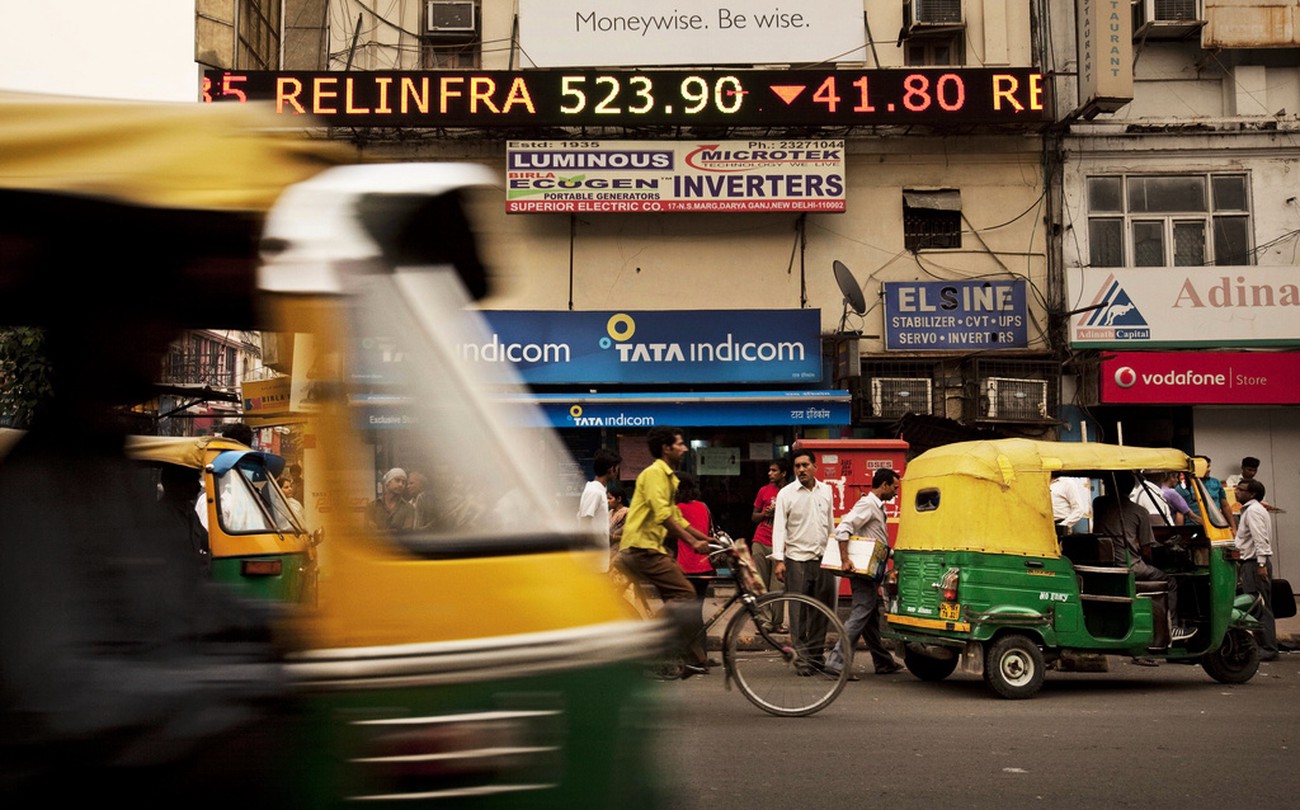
(662, 540)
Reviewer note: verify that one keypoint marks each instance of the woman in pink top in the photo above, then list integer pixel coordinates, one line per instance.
(696, 514)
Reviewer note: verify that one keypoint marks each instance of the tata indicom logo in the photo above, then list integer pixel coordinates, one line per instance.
(1125, 377)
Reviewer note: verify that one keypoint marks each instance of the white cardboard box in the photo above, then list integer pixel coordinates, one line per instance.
(866, 556)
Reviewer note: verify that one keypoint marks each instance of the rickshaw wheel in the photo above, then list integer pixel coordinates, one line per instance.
(1013, 667)
(928, 668)
(1236, 660)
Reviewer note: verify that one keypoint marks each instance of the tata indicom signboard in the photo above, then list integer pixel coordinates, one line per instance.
(717, 409)
(634, 176)
(679, 346)
(556, 33)
(1133, 307)
(1201, 378)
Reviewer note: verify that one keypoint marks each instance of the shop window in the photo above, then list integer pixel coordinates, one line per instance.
(931, 219)
(453, 38)
(1181, 220)
(933, 50)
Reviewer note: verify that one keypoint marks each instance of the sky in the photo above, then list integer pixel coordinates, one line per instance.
(135, 49)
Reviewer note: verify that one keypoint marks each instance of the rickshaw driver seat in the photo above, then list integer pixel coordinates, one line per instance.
(1128, 525)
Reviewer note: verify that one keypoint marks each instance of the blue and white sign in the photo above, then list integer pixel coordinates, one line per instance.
(947, 316)
(643, 411)
(679, 346)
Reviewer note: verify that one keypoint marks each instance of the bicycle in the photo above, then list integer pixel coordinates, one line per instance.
(765, 664)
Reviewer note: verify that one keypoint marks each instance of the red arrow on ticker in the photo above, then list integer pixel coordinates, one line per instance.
(788, 92)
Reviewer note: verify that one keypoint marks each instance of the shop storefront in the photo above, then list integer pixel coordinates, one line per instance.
(1225, 405)
(742, 384)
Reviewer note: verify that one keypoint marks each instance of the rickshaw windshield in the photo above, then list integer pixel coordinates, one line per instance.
(491, 470)
(239, 501)
(250, 502)
(1212, 510)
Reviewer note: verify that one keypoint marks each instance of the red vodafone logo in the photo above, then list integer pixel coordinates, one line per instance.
(1125, 376)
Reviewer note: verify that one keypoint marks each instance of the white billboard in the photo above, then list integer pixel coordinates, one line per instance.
(634, 33)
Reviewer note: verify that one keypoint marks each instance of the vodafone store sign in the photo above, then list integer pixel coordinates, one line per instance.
(1201, 378)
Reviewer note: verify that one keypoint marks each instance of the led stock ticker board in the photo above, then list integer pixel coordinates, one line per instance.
(555, 97)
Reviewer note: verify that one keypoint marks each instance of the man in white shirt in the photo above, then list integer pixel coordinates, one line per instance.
(593, 507)
(1069, 506)
(801, 526)
(1255, 570)
(866, 519)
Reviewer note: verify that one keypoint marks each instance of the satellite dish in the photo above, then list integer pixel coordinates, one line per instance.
(853, 298)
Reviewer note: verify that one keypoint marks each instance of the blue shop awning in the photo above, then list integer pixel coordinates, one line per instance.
(687, 409)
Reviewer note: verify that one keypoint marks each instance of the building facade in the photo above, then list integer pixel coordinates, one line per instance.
(939, 221)
(1180, 232)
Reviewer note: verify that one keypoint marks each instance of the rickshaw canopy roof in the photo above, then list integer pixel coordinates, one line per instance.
(219, 157)
(1000, 459)
(172, 197)
(184, 451)
(994, 496)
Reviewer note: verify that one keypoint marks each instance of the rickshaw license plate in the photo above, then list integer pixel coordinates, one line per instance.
(949, 611)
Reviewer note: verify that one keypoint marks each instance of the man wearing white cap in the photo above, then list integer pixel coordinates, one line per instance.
(391, 510)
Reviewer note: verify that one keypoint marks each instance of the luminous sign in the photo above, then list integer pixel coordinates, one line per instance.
(624, 176)
(956, 315)
(1201, 378)
(697, 346)
(557, 97)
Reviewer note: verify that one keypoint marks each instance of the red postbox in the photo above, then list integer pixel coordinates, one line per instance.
(846, 466)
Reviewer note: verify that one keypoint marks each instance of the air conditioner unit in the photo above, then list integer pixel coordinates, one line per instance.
(894, 396)
(1015, 399)
(450, 16)
(921, 13)
(1167, 19)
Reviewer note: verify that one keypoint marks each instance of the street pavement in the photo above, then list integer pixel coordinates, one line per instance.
(1133, 737)
(1129, 737)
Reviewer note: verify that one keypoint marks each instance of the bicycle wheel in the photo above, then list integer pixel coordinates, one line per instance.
(770, 672)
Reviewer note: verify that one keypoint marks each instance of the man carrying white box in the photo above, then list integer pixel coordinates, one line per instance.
(865, 524)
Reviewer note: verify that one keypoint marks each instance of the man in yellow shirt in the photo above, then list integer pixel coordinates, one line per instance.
(654, 518)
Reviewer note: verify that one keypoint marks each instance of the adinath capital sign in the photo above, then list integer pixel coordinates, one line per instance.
(681, 346)
(1185, 306)
(1201, 378)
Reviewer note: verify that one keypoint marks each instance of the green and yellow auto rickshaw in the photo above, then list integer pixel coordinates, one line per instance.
(982, 579)
(475, 657)
(256, 542)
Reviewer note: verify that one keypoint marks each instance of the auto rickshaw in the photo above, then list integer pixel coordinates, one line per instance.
(255, 541)
(478, 657)
(981, 578)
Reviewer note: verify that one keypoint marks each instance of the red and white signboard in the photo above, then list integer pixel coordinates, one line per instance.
(1201, 378)
(631, 176)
